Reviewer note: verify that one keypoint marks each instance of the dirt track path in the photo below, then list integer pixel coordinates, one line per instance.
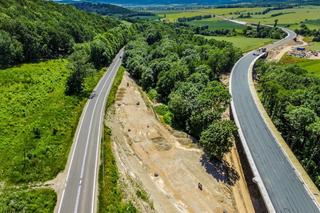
(143, 147)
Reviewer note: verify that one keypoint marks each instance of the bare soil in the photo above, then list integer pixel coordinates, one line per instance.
(277, 53)
(167, 164)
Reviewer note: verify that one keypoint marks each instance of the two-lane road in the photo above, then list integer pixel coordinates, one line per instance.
(81, 187)
(278, 182)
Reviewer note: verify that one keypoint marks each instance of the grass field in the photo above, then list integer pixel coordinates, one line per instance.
(312, 66)
(37, 120)
(37, 123)
(315, 46)
(244, 43)
(216, 24)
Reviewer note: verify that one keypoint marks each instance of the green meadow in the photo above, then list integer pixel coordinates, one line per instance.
(244, 43)
(37, 120)
(217, 24)
(312, 66)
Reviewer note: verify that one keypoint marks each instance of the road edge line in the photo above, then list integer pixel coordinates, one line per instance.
(257, 178)
(97, 160)
(74, 145)
(277, 136)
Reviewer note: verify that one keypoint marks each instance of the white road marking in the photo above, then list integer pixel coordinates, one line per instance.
(77, 139)
(97, 148)
(87, 143)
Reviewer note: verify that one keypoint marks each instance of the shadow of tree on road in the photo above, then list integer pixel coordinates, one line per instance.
(220, 170)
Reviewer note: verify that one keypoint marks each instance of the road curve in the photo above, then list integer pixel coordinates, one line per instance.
(80, 190)
(278, 182)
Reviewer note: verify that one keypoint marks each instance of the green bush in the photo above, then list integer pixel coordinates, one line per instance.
(152, 94)
(28, 200)
(167, 118)
(161, 109)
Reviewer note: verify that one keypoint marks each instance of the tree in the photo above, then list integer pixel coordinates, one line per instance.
(168, 79)
(75, 82)
(258, 27)
(147, 78)
(10, 50)
(182, 101)
(275, 23)
(99, 54)
(154, 36)
(217, 139)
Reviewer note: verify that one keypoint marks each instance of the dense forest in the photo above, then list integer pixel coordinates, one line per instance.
(292, 99)
(92, 56)
(114, 10)
(35, 29)
(103, 9)
(182, 70)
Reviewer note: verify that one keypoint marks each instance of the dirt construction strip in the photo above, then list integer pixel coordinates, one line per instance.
(166, 164)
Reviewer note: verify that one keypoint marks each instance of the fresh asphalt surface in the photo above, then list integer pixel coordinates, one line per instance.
(80, 190)
(286, 191)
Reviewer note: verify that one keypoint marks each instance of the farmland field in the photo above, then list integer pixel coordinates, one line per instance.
(289, 16)
(244, 43)
(216, 24)
(312, 66)
(292, 16)
(173, 16)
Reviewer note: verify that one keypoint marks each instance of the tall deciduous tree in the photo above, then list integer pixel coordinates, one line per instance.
(217, 139)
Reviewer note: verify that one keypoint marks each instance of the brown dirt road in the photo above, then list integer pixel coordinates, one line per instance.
(166, 164)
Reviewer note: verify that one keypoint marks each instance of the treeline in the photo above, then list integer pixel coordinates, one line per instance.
(102, 9)
(113, 10)
(259, 31)
(280, 7)
(91, 56)
(193, 18)
(292, 99)
(305, 31)
(204, 30)
(182, 71)
(255, 31)
(36, 29)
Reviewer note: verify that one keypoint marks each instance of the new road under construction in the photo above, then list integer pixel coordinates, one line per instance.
(279, 182)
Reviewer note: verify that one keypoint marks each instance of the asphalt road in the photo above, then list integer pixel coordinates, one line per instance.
(81, 186)
(284, 188)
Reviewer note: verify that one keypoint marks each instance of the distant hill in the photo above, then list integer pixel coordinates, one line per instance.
(103, 9)
(198, 2)
(113, 10)
(39, 29)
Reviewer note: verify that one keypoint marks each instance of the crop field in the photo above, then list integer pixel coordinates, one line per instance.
(173, 16)
(312, 66)
(216, 24)
(292, 16)
(37, 120)
(244, 43)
